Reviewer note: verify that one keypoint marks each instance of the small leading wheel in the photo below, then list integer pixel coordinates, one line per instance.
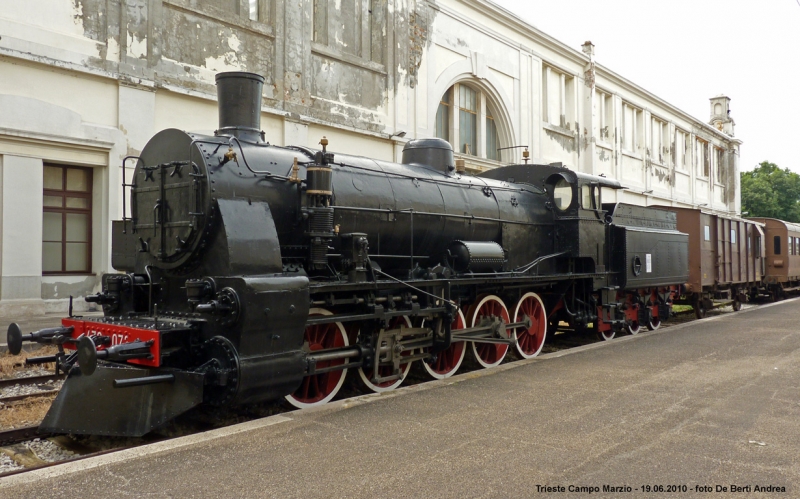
(318, 389)
(489, 354)
(530, 341)
(449, 360)
(366, 374)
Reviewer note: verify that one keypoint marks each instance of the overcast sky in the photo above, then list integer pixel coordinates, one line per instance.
(687, 51)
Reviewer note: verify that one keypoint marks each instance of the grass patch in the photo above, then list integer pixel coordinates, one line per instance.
(25, 413)
(11, 364)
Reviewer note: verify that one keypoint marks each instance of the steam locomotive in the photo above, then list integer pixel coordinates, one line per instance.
(253, 272)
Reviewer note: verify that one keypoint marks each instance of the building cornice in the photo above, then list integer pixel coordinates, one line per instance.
(503, 16)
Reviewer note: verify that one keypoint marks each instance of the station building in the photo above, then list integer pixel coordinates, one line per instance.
(85, 83)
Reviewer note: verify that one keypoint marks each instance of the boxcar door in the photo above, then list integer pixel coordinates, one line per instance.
(708, 250)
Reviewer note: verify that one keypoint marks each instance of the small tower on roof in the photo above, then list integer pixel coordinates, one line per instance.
(721, 114)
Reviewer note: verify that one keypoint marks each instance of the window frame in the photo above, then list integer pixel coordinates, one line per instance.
(636, 132)
(445, 106)
(64, 211)
(703, 161)
(487, 132)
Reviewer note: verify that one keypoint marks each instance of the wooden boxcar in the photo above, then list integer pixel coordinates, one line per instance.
(782, 270)
(725, 255)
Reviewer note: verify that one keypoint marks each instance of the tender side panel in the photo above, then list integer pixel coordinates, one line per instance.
(650, 257)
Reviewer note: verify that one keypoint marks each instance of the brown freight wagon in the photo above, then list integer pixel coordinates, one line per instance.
(782, 271)
(725, 258)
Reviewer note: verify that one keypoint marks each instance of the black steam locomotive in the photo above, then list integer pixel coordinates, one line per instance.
(253, 272)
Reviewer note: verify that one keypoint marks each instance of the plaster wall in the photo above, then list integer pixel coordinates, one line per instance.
(22, 228)
(93, 98)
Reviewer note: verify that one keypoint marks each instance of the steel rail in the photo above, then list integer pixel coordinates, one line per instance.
(30, 380)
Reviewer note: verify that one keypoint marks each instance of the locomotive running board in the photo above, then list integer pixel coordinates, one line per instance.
(91, 405)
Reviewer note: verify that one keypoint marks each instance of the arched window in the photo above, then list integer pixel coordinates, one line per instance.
(466, 118)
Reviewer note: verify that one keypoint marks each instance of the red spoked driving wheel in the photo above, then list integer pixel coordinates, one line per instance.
(366, 373)
(318, 389)
(448, 361)
(489, 354)
(530, 341)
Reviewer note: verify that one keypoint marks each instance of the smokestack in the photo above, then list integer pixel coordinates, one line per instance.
(239, 104)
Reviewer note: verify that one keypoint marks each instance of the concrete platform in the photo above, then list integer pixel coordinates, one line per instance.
(708, 403)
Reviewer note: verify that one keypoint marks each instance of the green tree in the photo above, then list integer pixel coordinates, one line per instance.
(771, 192)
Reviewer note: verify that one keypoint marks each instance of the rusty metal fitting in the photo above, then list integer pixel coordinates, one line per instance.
(230, 155)
(461, 166)
(295, 169)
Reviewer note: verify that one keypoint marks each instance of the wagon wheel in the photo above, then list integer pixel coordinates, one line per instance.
(531, 340)
(699, 307)
(654, 322)
(633, 326)
(366, 373)
(737, 304)
(449, 360)
(654, 319)
(318, 389)
(489, 354)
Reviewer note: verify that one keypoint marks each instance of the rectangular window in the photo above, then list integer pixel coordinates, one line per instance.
(632, 127)
(660, 141)
(559, 104)
(708, 233)
(683, 153)
(468, 120)
(719, 165)
(776, 245)
(254, 10)
(320, 21)
(67, 220)
(733, 236)
(605, 117)
(702, 160)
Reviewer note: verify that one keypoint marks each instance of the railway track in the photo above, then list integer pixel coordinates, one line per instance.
(16, 443)
(30, 380)
(45, 385)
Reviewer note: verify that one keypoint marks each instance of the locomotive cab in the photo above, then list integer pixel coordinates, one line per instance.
(577, 204)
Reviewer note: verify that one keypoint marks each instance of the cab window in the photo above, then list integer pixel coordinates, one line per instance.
(589, 198)
(562, 194)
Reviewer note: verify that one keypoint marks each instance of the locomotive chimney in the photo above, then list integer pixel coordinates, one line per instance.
(239, 101)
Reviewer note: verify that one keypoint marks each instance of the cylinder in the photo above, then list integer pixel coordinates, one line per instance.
(433, 153)
(239, 104)
(475, 256)
(319, 180)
